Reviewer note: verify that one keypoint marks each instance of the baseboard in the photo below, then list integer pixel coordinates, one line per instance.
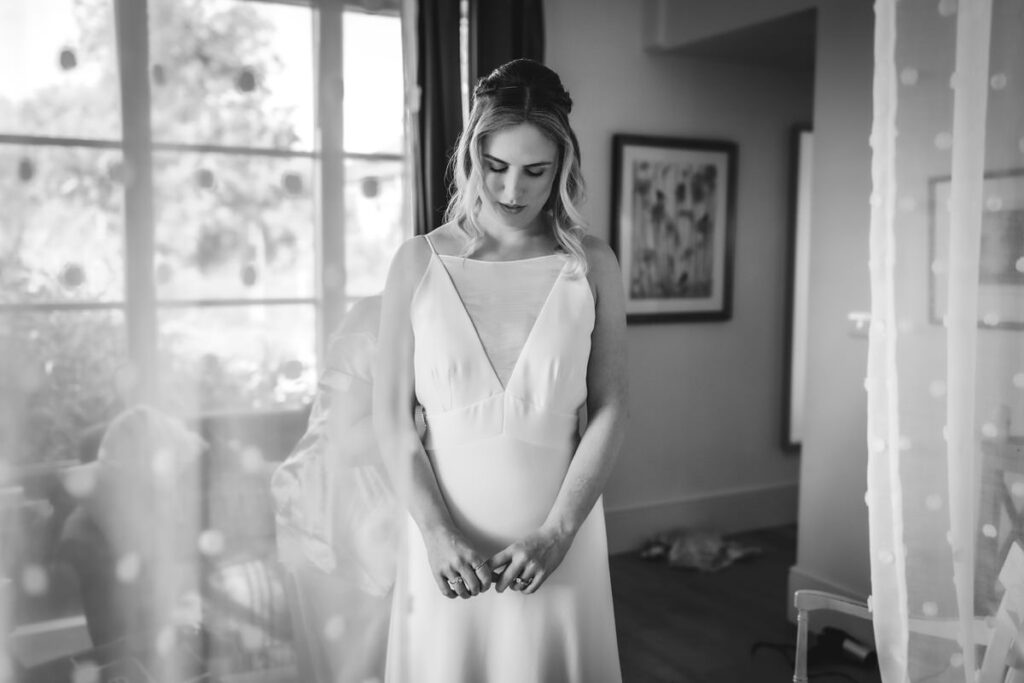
(800, 579)
(727, 511)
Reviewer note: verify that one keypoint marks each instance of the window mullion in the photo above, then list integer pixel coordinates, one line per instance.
(330, 126)
(140, 288)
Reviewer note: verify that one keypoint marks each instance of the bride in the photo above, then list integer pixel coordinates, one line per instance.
(503, 324)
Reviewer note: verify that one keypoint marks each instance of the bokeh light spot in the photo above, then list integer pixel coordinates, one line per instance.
(246, 80)
(72, 276)
(68, 60)
(35, 580)
(211, 542)
(128, 567)
(909, 76)
(292, 183)
(334, 629)
(26, 170)
(80, 481)
(86, 672)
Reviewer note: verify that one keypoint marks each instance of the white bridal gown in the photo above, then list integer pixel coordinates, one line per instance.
(501, 351)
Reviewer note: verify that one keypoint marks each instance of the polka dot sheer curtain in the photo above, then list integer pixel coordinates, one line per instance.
(946, 351)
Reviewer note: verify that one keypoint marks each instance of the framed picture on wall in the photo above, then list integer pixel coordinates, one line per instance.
(1001, 266)
(672, 226)
(798, 260)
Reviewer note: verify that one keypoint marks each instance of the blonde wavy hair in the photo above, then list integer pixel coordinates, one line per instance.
(521, 91)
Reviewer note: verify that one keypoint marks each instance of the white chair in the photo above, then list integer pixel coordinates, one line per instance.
(1002, 635)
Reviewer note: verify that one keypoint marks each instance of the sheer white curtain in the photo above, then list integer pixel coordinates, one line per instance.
(946, 354)
(191, 211)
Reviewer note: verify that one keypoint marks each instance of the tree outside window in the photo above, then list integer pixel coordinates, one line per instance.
(240, 276)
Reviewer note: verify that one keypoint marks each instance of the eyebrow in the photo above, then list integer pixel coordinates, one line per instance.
(502, 161)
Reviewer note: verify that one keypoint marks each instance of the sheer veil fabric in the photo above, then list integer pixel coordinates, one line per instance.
(946, 353)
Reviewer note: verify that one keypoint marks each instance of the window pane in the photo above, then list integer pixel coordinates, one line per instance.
(234, 226)
(237, 357)
(62, 224)
(59, 69)
(60, 371)
(232, 72)
(374, 86)
(375, 222)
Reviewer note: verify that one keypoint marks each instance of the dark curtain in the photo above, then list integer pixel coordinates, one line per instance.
(499, 30)
(502, 30)
(440, 115)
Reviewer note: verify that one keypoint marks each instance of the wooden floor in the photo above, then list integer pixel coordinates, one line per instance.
(680, 626)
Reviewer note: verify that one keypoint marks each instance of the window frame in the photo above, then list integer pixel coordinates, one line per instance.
(140, 305)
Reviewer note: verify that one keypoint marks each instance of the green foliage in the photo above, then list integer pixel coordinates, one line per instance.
(62, 229)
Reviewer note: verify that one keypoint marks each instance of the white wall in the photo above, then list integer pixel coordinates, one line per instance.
(702, 446)
(832, 550)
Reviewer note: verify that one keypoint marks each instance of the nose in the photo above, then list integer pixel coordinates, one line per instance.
(512, 190)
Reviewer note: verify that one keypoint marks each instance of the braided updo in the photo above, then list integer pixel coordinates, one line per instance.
(521, 91)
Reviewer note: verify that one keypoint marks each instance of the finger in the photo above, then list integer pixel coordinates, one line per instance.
(521, 581)
(500, 559)
(508, 576)
(527, 576)
(535, 582)
(483, 573)
(446, 590)
(457, 584)
(469, 579)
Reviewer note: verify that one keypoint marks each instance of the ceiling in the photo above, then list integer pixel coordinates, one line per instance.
(788, 42)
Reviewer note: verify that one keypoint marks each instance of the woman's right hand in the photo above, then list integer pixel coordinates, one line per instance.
(457, 567)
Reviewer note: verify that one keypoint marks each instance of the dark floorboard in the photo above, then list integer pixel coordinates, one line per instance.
(730, 626)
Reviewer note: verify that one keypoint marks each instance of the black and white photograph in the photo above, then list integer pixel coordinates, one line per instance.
(511, 341)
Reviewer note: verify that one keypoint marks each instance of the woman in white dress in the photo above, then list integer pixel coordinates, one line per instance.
(503, 324)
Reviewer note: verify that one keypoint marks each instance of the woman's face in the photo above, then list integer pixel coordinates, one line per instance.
(519, 166)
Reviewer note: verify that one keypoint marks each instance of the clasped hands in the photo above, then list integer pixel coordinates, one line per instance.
(462, 572)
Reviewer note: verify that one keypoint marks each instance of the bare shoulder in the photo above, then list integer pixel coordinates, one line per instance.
(408, 263)
(602, 262)
(448, 238)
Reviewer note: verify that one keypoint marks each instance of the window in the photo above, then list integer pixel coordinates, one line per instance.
(176, 227)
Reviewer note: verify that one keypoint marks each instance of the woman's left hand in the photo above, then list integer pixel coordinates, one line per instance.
(528, 562)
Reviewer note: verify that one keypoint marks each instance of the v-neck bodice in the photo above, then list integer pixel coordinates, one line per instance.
(456, 383)
(503, 299)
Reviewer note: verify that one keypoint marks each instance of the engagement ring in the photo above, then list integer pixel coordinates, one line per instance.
(454, 582)
(523, 582)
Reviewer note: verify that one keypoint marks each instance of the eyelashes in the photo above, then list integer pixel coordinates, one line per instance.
(502, 169)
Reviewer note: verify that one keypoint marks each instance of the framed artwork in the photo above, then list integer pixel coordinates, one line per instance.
(798, 258)
(1001, 267)
(672, 226)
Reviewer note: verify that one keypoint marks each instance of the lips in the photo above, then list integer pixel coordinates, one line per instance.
(511, 208)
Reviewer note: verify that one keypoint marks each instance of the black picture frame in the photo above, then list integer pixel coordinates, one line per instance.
(1000, 277)
(673, 226)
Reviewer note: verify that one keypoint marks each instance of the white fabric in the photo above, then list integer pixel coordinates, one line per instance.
(946, 358)
(500, 454)
(503, 308)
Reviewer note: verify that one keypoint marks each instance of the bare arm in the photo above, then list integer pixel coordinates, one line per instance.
(607, 399)
(411, 473)
(535, 557)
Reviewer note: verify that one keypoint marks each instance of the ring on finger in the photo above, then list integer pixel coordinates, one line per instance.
(455, 582)
(520, 581)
